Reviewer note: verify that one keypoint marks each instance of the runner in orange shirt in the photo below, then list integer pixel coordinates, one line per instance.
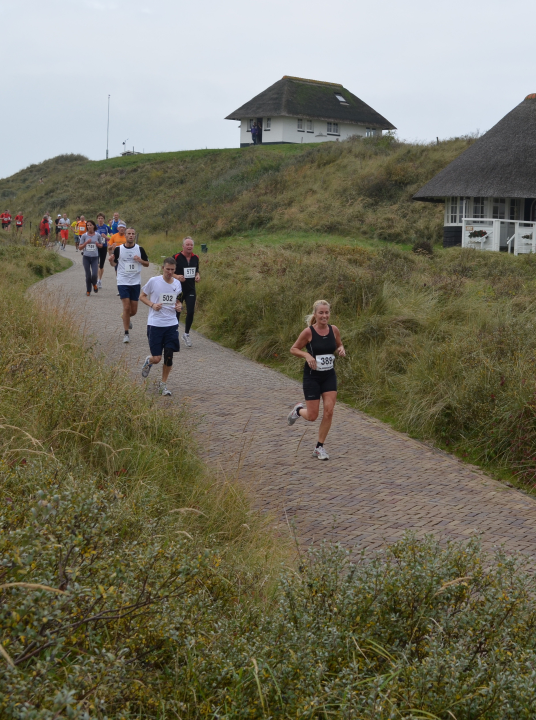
(81, 227)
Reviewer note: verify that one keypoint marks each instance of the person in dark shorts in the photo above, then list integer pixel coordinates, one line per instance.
(129, 258)
(105, 232)
(6, 220)
(58, 228)
(187, 272)
(317, 345)
(161, 294)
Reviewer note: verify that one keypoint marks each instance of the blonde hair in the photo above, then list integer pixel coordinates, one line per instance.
(309, 319)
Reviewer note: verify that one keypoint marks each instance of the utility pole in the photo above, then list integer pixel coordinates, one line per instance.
(108, 128)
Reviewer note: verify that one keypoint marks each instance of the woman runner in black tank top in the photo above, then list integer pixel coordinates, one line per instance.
(318, 344)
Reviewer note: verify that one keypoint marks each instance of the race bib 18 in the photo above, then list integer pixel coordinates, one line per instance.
(325, 362)
(131, 267)
(167, 299)
(189, 272)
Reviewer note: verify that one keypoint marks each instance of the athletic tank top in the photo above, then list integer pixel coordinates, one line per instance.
(321, 345)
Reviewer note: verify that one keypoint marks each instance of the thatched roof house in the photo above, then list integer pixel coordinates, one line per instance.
(295, 110)
(493, 180)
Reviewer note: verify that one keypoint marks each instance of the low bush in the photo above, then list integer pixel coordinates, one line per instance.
(97, 622)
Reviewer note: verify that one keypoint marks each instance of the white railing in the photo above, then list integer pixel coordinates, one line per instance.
(491, 234)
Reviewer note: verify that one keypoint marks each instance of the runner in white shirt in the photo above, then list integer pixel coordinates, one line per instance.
(64, 224)
(129, 258)
(161, 294)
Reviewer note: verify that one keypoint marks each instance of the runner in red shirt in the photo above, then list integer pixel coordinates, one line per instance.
(19, 221)
(44, 227)
(6, 220)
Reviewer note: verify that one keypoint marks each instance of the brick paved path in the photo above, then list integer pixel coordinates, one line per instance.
(378, 482)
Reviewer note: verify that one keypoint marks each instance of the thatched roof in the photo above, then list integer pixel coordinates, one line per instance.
(296, 97)
(502, 163)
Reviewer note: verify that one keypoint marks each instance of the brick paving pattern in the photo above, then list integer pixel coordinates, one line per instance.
(378, 483)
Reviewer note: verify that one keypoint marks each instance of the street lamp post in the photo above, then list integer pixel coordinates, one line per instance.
(108, 128)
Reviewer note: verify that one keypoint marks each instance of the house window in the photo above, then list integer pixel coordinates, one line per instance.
(478, 207)
(499, 208)
(515, 209)
(268, 124)
(300, 125)
(250, 123)
(454, 210)
(340, 98)
(369, 132)
(457, 210)
(333, 128)
(310, 127)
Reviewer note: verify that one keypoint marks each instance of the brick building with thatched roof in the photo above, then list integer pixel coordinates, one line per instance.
(295, 110)
(489, 191)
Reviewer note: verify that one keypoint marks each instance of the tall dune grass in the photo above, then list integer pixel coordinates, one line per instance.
(443, 346)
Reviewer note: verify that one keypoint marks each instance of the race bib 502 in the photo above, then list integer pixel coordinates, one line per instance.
(167, 299)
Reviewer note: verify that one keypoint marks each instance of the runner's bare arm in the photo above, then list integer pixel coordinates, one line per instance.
(297, 349)
(340, 347)
(144, 298)
(197, 277)
(145, 263)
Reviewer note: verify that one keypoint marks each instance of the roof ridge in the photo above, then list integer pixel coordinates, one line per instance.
(316, 82)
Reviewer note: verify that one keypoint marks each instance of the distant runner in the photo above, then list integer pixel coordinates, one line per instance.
(129, 259)
(117, 239)
(187, 272)
(74, 226)
(19, 221)
(90, 242)
(44, 227)
(81, 227)
(115, 223)
(105, 232)
(319, 379)
(58, 228)
(6, 220)
(64, 224)
(161, 294)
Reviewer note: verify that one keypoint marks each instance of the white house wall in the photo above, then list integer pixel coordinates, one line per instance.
(285, 130)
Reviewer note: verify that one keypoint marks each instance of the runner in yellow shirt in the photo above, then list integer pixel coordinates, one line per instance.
(74, 226)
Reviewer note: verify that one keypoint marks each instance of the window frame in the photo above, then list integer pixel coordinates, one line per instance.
(331, 128)
(309, 123)
(300, 125)
(250, 122)
(268, 124)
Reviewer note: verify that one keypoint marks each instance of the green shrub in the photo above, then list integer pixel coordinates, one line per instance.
(148, 626)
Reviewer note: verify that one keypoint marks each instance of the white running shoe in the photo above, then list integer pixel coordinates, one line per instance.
(187, 340)
(164, 390)
(99, 284)
(126, 338)
(146, 367)
(320, 453)
(293, 414)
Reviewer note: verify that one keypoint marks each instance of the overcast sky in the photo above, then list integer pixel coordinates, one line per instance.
(175, 69)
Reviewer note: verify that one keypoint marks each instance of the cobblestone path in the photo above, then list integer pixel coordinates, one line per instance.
(378, 483)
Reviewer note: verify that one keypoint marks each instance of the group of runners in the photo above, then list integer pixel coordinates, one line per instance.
(166, 293)
(6, 219)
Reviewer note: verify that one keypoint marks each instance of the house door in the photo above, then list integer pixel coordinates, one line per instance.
(259, 125)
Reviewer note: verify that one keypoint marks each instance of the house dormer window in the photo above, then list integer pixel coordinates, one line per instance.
(341, 99)
(333, 128)
(300, 125)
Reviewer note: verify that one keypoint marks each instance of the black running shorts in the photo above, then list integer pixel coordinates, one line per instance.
(315, 385)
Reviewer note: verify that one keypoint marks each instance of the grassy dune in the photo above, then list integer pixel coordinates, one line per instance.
(360, 188)
(443, 347)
